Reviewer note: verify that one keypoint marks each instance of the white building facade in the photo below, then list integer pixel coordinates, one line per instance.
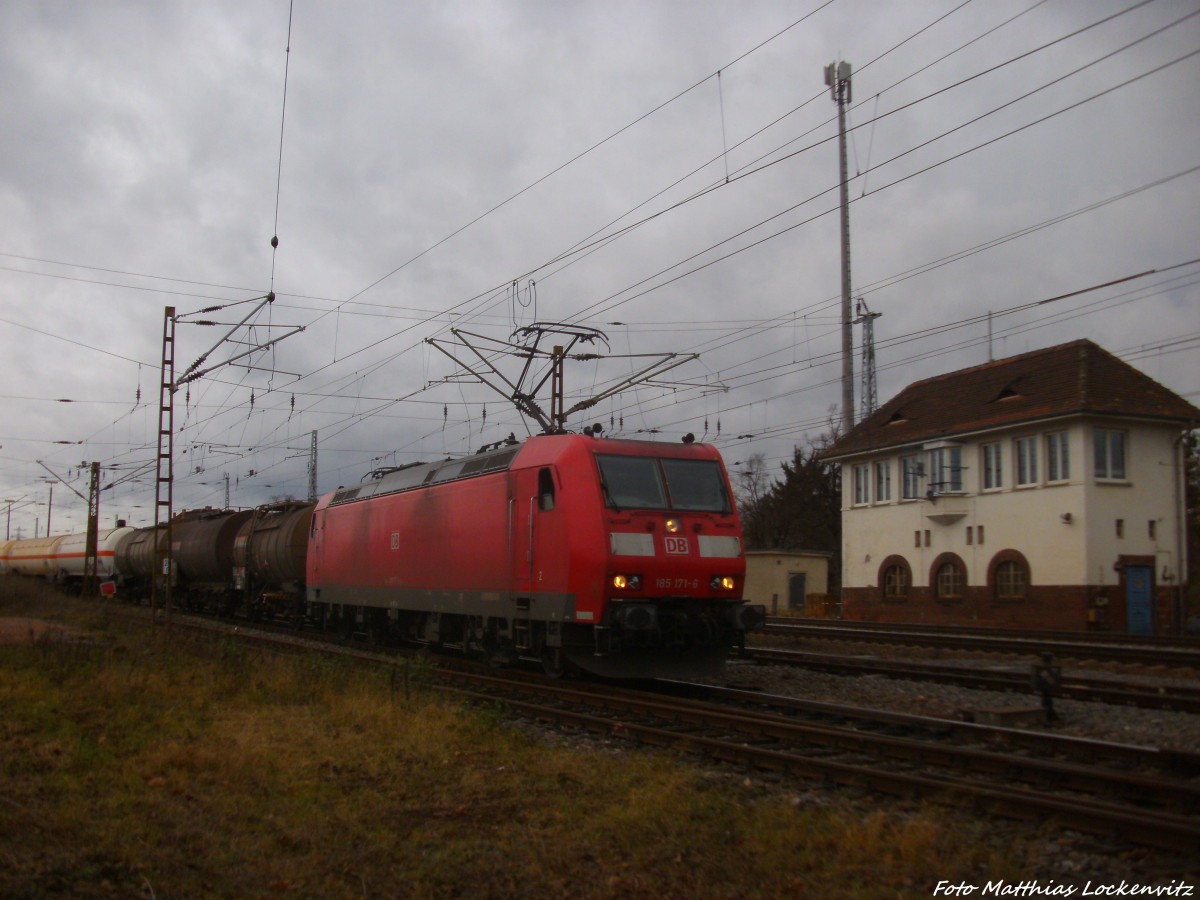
(1041, 491)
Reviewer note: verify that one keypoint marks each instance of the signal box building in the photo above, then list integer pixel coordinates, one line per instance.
(1042, 491)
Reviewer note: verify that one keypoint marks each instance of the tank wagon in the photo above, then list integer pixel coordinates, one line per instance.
(269, 557)
(62, 558)
(70, 556)
(206, 566)
(34, 557)
(620, 558)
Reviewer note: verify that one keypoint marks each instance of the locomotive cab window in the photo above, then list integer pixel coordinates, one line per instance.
(545, 490)
(641, 482)
(695, 484)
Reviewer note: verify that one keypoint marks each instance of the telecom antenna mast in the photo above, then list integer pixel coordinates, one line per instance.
(312, 470)
(837, 77)
(866, 318)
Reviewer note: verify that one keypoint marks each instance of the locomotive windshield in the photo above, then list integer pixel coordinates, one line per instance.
(643, 482)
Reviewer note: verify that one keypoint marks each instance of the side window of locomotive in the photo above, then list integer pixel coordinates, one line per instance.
(696, 484)
(631, 482)
(545, 490)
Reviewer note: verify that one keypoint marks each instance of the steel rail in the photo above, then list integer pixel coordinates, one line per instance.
(774, 743)
(1180, 698)
(1137, 824)
(1185, 655)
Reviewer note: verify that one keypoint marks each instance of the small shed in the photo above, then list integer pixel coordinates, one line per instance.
(784, 580)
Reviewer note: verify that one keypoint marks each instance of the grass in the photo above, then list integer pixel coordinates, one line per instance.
(142, 764)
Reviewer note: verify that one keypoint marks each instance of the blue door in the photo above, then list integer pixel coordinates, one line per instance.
(1139, 612)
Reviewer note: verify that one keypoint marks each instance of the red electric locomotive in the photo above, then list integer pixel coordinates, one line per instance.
(621, 558)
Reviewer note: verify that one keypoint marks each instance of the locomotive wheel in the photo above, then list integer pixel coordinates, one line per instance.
(498, 654)
(554, 664)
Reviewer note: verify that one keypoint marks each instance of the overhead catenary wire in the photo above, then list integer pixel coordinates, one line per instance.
(303, 394)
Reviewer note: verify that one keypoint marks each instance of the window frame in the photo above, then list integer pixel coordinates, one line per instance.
(911, 474)
(1058, 456)
(946, 470)
(1011, 580)
(883, 485)
(992, 454)
(1006, 569)
(1025, 461)
(1104, 441)
(862, 485)
(896, 582)
(957, 579)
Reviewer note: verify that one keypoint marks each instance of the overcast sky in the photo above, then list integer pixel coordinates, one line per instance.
(663, 171)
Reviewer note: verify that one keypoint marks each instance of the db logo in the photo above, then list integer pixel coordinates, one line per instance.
(676, 545)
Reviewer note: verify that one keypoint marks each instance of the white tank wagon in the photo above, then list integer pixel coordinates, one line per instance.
(34, 557)
(70, 558)
(5, 546)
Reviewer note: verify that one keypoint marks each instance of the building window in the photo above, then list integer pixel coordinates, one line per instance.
(1011, 579)
(1109, 448)
(911, 466)
(862, 485)
(1120, 528)
(1058, 458)
(945, 470)
(993, 473)
(895, 582)
(949, 581)
(1026, 453)
(1152, 529)
(883, 482)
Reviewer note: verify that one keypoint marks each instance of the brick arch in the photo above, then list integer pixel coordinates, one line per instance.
(889, 562)
(944, 559)
(1009, 556)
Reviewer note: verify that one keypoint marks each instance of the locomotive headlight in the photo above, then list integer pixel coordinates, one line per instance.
(672, 526)
(723, 583)
(627, 582)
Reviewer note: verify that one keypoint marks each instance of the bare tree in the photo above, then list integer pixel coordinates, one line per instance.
(802, 510)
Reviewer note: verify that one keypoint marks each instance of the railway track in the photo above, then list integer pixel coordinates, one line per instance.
(1179, 697)
(1142, 650)
(1140, 795)
(1146, 804)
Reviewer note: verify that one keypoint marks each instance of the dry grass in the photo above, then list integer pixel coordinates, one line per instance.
(142, 765)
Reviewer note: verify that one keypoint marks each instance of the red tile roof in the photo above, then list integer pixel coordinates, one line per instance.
(1077, 378)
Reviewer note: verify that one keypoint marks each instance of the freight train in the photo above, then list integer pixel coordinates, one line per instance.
(622, 559)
